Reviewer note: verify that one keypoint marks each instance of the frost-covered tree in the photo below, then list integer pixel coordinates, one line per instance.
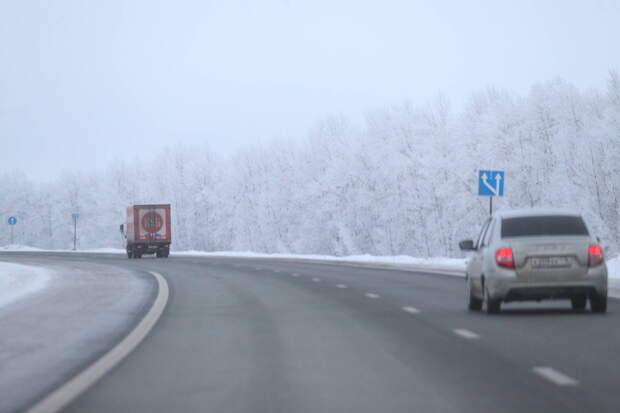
(404, 181)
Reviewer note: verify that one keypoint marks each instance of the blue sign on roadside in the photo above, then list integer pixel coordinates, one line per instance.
(12, 220)
(75, 215)
(491, 183)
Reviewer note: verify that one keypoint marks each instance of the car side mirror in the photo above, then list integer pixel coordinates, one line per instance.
(467, 245)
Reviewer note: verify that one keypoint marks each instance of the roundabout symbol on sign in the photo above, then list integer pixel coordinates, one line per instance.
(152, 222)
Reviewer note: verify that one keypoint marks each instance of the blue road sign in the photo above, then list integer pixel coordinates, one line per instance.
(12, 220)
(75, 215)
(491, 183)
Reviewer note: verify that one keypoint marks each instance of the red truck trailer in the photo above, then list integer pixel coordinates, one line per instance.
(147, 230)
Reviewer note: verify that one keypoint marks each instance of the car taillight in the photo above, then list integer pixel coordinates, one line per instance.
(595, 255)
(504, 258)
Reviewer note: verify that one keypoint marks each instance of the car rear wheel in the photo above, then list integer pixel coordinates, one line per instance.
(473, 303)
(598, 303)
(578, 303)
(492, 305)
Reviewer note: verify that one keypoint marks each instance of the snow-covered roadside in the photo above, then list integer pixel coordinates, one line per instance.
(18, 281)
(454, 266)
(26, 248)
(613, 271)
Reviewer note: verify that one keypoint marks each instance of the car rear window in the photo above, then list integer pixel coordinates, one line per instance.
(543, 225)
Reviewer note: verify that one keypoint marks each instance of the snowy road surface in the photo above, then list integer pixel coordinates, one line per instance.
(260, 335)
(80, 309)
(18, 281)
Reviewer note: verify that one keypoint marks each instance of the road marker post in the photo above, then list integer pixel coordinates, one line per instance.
(75, 217)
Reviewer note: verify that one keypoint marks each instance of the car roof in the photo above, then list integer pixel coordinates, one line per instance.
(531, 212)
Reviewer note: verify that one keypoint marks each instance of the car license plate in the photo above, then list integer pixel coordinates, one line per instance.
(550, 262)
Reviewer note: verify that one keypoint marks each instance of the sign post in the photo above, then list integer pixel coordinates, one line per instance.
(75, 217)
(491, 184)
(12, 221)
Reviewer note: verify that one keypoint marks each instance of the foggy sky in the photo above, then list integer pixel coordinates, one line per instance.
(85, 82)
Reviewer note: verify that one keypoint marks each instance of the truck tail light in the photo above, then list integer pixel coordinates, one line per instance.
(504, 258)
(595, 256)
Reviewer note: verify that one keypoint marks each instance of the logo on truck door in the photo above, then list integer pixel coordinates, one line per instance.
(152, 222)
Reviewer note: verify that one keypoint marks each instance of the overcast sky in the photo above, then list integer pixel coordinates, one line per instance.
(85, 82)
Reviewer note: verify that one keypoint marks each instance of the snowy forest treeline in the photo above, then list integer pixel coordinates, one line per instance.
(403, 182)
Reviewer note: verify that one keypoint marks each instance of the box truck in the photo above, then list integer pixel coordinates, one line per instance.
(147, 230)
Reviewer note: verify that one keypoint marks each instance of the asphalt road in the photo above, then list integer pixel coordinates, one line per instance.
(249, 335)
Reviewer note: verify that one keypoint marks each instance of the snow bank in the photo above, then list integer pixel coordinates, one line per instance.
(103, 250)
(456, 266)
(26, 248)
(18, 281)
(613, 268)
(18, 248)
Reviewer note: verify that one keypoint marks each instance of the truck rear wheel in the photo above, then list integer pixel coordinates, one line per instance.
(162, 253)
(129, 253)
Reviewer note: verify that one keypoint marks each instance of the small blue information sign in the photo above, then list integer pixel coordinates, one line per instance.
(491, 183)
(12, 220)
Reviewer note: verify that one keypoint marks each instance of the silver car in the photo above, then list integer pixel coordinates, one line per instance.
(535, 255)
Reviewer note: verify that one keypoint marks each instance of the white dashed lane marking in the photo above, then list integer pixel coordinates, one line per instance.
(316, 280)
(470, 335)
(341, 286)
(372, 295)
(555, 377)
(411, 310)
(295, 274)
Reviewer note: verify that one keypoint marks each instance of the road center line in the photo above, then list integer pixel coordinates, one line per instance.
(554, 376)
(411, 310)
(372, 295)
(341, 286)
(470, 335)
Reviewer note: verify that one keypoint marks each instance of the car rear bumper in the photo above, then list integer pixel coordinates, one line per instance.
(549, 293)
(509, 287)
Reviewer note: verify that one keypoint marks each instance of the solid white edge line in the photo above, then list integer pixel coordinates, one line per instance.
(470, 335)
(65, 394)
(554, 376)
(411, 310)
(372, 295)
